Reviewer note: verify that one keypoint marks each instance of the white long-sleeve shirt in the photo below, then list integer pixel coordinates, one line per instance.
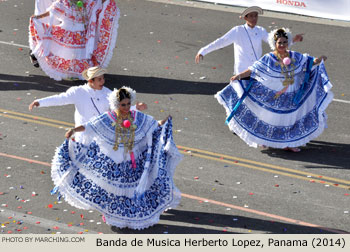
(247, 49)
(88, 102)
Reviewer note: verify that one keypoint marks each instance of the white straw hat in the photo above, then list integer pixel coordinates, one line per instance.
(93, 72)
(250, 10)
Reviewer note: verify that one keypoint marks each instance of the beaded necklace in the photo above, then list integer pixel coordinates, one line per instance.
(124, 135)
(288, 73)
(286, 70)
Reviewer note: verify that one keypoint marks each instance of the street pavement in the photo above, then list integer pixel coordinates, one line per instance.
(227, 187)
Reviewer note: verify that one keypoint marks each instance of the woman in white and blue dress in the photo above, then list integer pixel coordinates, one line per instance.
(283, 103)
(122, 166)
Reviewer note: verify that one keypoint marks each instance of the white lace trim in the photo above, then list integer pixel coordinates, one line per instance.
(253, 141)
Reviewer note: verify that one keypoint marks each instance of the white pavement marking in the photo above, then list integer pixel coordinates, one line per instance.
(343, 101)
(44, 223)
(13, 44)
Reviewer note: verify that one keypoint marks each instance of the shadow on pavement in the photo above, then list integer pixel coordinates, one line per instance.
(323, 154)
(186, 222)
(151, 85)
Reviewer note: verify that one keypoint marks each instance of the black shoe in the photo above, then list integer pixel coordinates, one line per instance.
(33, 59)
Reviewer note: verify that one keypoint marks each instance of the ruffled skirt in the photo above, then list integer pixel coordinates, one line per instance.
(126, 196)
(65, 48)
(263, 119)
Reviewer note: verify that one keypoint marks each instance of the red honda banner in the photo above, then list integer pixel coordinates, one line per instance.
(334, 9)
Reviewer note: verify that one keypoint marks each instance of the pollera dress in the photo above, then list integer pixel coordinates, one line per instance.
(90, 174)
(74, 38)
(270, 111)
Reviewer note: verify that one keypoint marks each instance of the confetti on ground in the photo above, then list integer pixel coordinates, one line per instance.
(49, 205)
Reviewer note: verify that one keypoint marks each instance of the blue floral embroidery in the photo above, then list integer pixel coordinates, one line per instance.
(141, 207)
(264, 97)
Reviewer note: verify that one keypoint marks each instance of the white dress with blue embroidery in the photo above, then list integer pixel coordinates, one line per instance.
(91, 175)
(263, 119)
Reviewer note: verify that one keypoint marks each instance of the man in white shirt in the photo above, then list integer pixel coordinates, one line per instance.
(247, 40)
(90, 99)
